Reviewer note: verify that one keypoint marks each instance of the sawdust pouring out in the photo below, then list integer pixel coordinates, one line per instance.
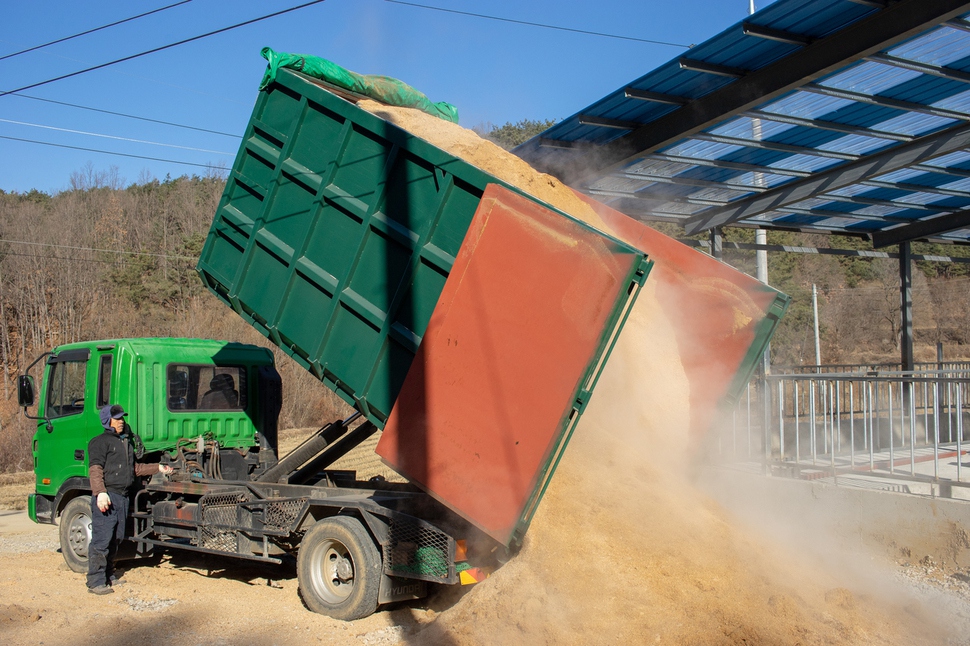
(623, 548)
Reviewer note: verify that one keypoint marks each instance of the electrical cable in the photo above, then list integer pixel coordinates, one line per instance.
(91, 31)
(537, 24)
(106, 136)
(108, 152)
(37, 255)
(118, 251)
(162, 48)
(129, 116)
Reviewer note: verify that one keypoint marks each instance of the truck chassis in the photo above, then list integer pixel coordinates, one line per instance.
(329, 528)
(357, 544)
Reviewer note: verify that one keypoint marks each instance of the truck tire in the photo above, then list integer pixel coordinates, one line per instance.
(339, 569)
(74, 527)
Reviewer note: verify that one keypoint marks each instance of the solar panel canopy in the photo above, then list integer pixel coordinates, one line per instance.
(824, 116)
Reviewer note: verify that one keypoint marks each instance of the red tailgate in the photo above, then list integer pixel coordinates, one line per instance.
(723, 318)
(509, 357)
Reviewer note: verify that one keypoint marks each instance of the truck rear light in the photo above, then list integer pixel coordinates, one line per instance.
(461, 550)
(472, 576)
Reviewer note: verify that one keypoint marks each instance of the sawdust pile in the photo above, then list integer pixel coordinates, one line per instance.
(623, 549)
(487, 156)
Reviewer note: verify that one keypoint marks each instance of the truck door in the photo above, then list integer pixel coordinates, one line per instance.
(61, 445)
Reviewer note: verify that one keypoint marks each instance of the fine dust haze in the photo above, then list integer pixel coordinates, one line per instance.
(625, 548)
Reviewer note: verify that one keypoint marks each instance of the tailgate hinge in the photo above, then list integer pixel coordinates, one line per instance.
(643, 269)
(581, 401)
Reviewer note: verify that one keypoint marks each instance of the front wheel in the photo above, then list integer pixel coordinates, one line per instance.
(339, 569)
(75, 533)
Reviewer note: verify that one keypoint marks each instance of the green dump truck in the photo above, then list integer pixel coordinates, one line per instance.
(209, 409)
(464, 320)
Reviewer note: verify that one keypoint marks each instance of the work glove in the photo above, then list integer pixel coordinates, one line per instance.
(104, 502)
(165, 469)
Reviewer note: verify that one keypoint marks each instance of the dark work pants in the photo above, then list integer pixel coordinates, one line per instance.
(107, 530)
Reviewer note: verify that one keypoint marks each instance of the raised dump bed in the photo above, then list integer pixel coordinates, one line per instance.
(467, 319)
(336, 237)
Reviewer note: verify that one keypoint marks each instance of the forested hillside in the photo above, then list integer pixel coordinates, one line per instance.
(858, 299)
(102, 260)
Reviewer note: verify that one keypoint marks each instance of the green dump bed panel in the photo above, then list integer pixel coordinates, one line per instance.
(335, 236)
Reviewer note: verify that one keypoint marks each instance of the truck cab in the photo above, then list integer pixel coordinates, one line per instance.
(175, 391)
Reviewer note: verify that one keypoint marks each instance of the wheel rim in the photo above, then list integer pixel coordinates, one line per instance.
(79, 535)
(333, 571)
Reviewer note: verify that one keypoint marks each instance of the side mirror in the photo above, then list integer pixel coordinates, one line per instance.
(25, 391)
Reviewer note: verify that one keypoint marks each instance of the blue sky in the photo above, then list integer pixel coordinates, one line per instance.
(493, 71)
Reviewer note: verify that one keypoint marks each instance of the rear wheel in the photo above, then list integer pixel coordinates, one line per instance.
(339, 569)
(75, 532)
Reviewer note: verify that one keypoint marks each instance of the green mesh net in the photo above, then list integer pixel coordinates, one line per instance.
(382, 88)
(429, 561)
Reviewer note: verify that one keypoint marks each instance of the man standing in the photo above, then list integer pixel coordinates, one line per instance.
(112, 470)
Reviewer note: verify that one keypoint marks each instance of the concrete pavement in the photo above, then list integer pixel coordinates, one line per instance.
(16, 522)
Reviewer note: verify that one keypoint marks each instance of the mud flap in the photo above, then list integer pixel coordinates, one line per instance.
(395, 588)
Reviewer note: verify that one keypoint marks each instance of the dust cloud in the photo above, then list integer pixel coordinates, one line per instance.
(625, 548)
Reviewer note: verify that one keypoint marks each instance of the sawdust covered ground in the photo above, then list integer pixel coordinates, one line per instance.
(624, 549)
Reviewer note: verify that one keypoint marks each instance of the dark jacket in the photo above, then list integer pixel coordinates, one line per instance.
(111, 463)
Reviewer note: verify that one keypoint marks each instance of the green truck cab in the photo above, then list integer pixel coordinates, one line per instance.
(175, 391)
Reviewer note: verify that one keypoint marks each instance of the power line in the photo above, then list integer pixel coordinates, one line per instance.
(163, 47)
(194, 90)
(37, 255)
(108, 152)
(536, 24)
(91, 31)
(117, 251)
(129, 116)
(106, 136)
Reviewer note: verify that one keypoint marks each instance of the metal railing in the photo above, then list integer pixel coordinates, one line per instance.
(907, 425)
(828, 368)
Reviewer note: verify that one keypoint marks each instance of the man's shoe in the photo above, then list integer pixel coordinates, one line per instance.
(101, 589)
(116, 582)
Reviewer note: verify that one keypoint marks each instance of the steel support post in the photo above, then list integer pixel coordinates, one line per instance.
(761, 268)
(717, 243)
(906, 306)
(906, 318)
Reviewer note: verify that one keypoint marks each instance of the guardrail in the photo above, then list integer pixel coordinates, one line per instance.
(828, 368)
(896, 424)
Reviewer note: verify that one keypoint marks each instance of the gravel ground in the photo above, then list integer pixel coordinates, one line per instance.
(947, 591)
(42, 540)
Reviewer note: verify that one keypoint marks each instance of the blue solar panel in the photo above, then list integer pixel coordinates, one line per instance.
(875, 102)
